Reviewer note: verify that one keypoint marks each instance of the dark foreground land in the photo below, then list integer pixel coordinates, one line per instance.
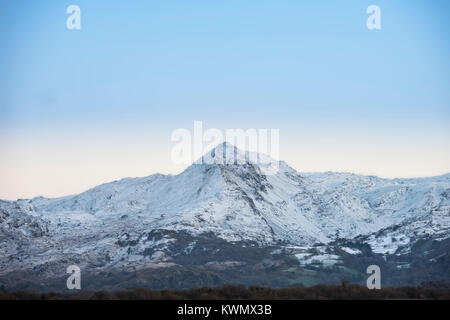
(427, 291)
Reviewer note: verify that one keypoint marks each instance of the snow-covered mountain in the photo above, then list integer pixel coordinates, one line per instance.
(115, 226)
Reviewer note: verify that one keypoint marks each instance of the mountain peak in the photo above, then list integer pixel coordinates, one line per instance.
(222, 147)
(226, 153)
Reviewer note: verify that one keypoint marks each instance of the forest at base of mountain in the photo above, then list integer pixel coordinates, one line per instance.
(427, 290)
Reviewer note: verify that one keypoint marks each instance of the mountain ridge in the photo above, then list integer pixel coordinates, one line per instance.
(114, 226)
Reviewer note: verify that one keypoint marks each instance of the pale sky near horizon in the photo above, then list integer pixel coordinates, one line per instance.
(83, 107)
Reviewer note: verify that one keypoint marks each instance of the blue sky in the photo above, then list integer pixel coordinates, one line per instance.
(81, 107)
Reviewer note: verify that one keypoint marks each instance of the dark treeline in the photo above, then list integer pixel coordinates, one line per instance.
(239, 292)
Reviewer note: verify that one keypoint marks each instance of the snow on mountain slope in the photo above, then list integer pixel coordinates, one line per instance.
(399, 238)
(110, 225)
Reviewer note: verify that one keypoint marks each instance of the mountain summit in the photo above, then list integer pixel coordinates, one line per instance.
(228, 154)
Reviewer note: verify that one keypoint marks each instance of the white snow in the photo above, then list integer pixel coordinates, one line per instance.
(326, 260)
(351, 250)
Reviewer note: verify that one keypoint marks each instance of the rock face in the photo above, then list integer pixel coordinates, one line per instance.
(250, 213)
